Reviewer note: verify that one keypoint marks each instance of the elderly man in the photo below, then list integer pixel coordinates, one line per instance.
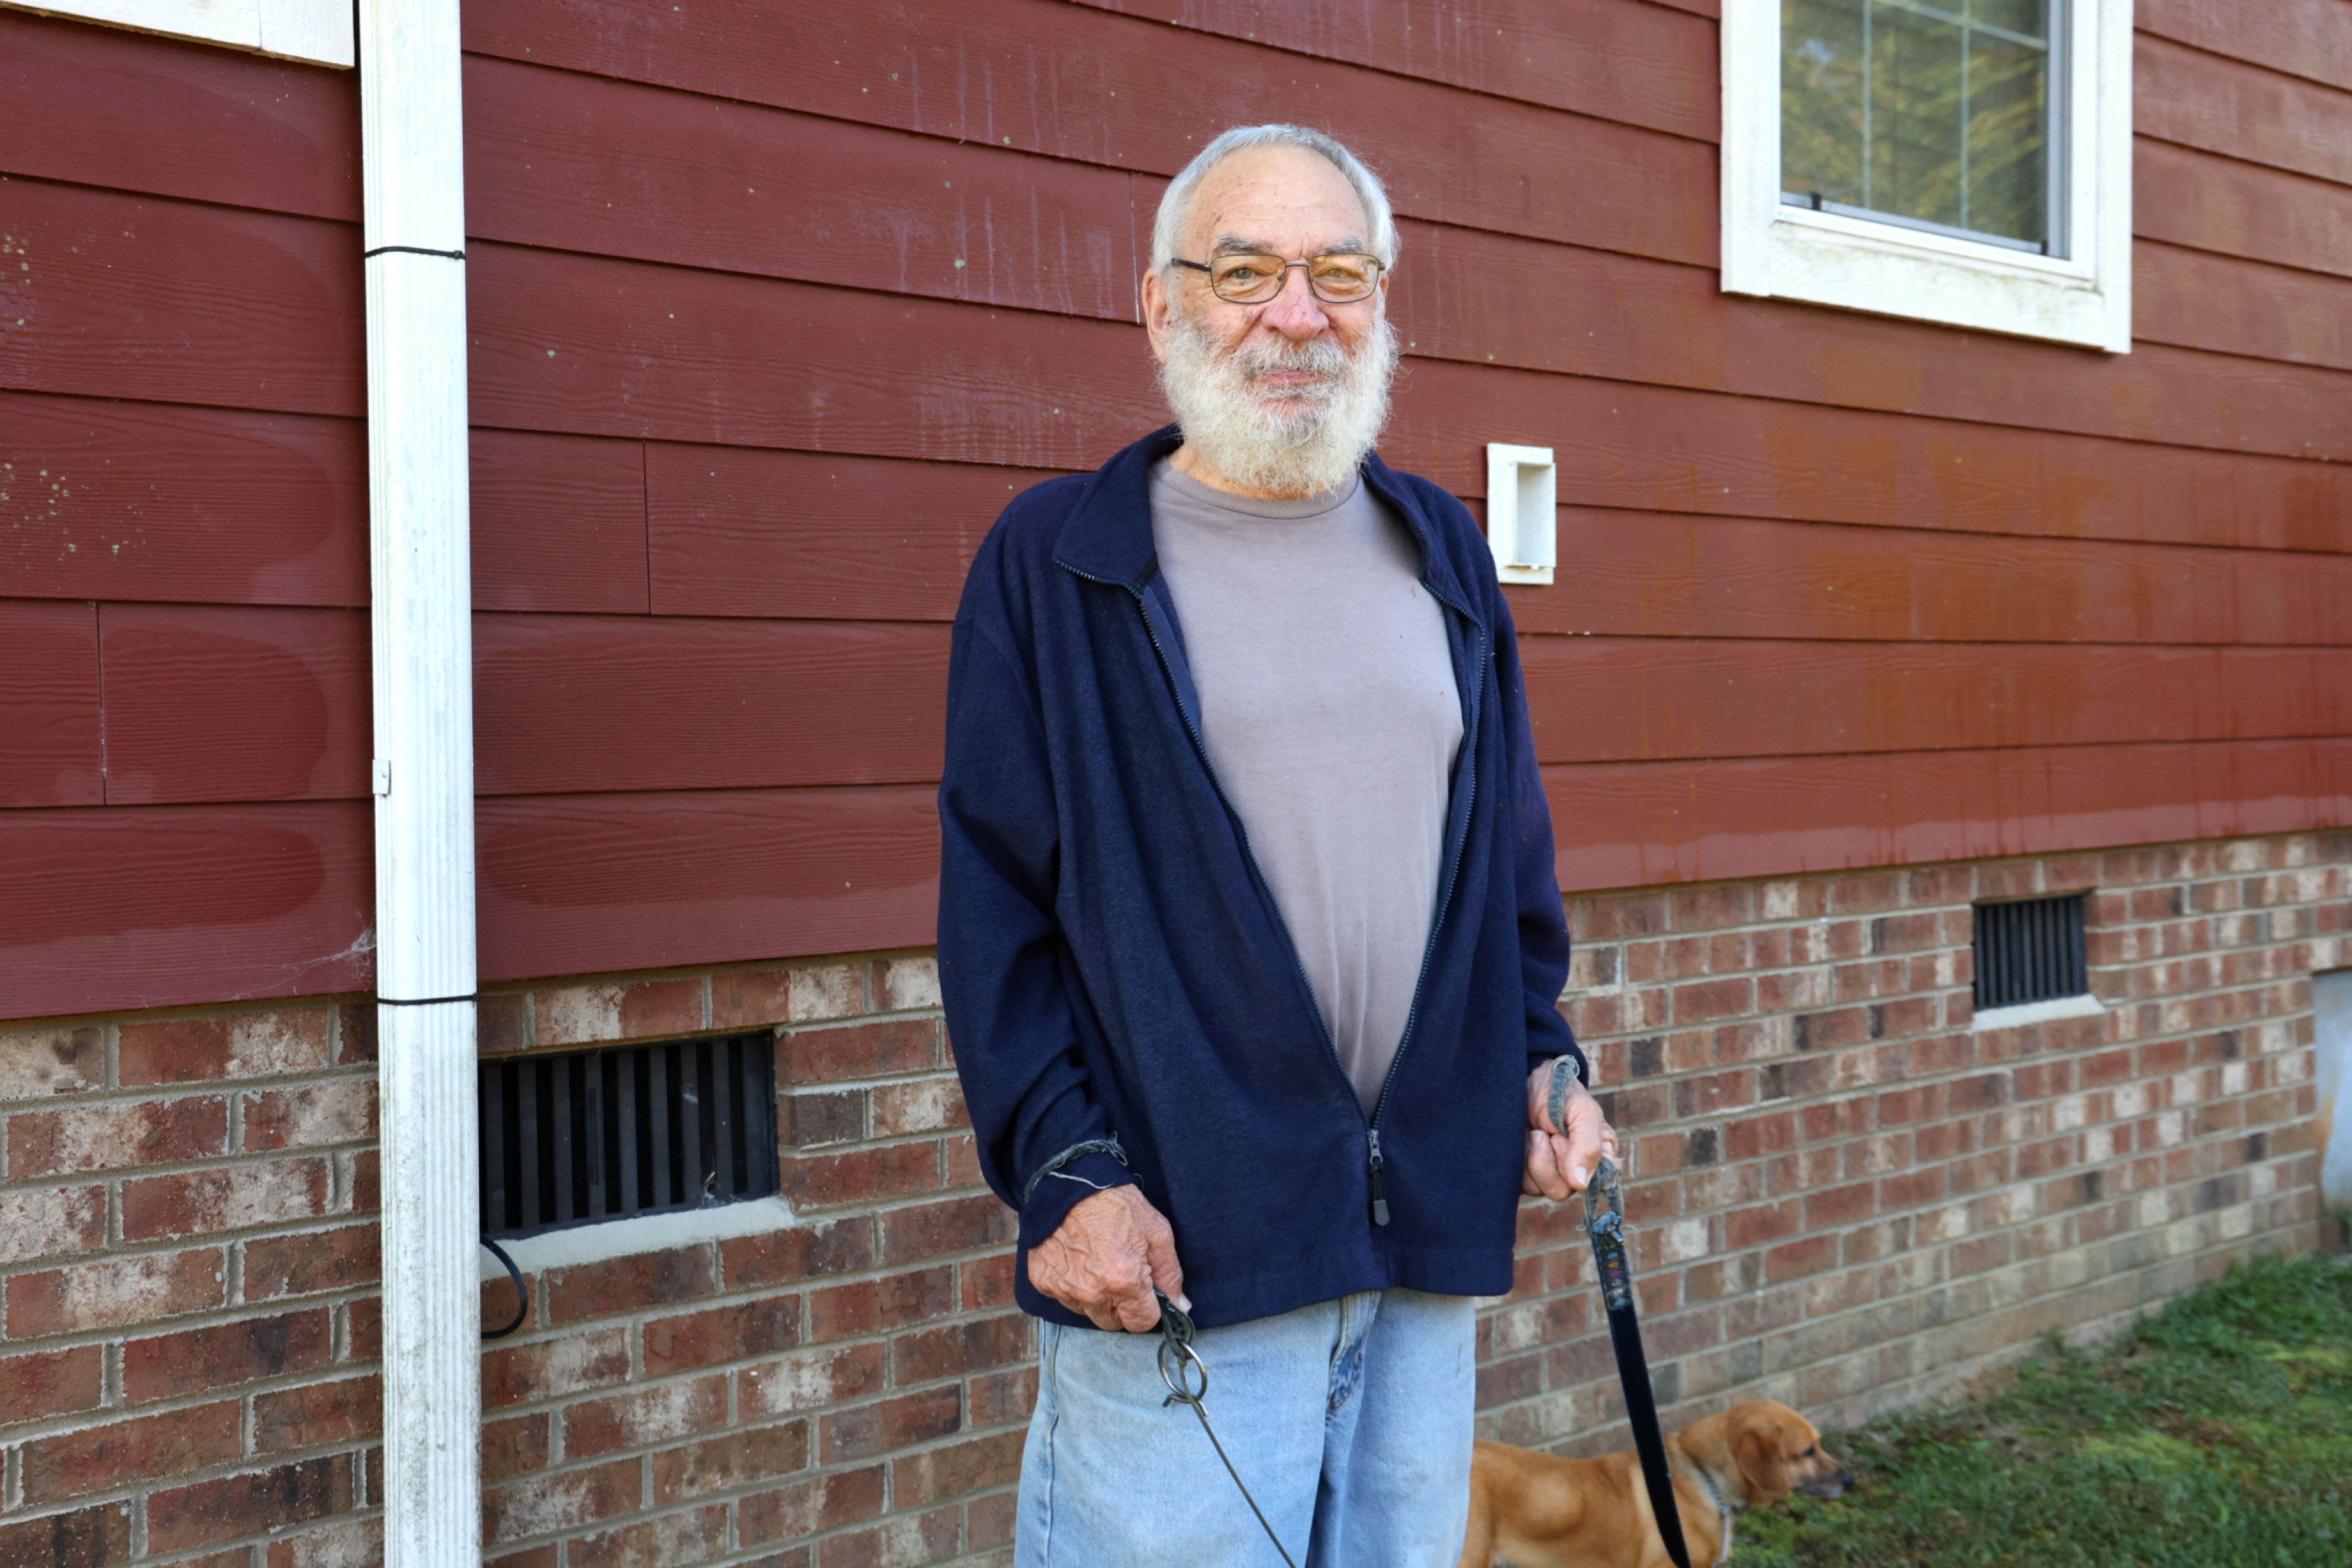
(1249, 933)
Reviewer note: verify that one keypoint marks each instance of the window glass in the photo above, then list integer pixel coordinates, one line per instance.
(1935, 115)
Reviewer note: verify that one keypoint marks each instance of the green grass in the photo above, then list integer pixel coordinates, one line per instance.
(2217, 1434)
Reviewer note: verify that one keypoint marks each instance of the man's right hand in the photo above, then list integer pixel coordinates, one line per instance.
(1106, 1259)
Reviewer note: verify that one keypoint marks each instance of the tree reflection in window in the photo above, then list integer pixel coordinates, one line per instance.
(1936, 116)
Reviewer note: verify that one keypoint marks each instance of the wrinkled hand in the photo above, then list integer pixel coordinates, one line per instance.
(1106, 1259)
(1560, 1159)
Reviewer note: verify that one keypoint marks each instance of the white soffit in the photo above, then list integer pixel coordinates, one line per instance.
(317, 32)
(1827, 258)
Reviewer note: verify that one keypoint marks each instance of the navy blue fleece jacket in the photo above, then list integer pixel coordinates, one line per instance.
(1123, 1000)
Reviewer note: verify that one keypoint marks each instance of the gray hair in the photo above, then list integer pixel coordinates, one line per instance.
(1173, 205)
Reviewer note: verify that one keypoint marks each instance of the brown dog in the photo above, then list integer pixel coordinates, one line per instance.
(1532, 1510)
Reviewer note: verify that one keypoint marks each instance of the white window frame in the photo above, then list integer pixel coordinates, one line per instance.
(317, 32)
(1785, 252)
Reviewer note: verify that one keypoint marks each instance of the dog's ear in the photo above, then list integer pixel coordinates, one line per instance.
(1757, 1450)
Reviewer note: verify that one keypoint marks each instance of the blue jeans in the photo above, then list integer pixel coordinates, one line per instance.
(1349, 1420)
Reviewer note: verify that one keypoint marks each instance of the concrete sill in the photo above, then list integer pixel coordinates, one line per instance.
(647, 1233)
(2082, 1007)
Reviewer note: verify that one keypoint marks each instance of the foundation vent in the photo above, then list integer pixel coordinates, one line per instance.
(2030, 951)
(576, 1137)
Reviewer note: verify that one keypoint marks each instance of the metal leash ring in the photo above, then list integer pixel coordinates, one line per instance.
(1176, 1339)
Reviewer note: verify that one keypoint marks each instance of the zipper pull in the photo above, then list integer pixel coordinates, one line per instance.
(1379, 1203)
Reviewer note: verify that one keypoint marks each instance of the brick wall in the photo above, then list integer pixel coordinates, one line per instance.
(1844, 1197)
(188, 1323)
(851, 1391)
(1847, 1199)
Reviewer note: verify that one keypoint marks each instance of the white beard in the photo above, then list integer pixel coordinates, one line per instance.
(1289, 440)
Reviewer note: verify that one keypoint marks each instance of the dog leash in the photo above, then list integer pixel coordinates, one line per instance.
(1604, 1221)
(1180, 1365)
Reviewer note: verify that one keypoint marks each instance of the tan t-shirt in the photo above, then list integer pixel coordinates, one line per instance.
(1329, 711)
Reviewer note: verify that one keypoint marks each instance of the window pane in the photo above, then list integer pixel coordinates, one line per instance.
(1821, 99)
(2008, 163)
(1934, 112)
(1914, 111)
(2028, 16)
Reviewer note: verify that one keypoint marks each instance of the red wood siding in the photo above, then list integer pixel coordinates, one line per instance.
(592, 702)
(559, 523)
(151, 501)
(586, 882)
(102, 108)
(170, 301)
(183, 693)
(1631, 823)
(741, 532)
(773, 309)
(48, 690)
(156, 905)
(2309, 39)
(220, 702)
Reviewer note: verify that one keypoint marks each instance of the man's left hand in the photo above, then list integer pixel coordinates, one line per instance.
(1560, 1158)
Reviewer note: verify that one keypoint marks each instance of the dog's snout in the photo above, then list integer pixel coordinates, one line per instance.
(1827, 1478)
(1834, 1485)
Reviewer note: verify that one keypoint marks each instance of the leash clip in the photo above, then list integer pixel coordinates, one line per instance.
(1604, 1221)
(1180, 1364)
(1604, 1198)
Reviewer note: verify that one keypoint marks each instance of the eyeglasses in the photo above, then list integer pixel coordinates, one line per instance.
(1247, 277)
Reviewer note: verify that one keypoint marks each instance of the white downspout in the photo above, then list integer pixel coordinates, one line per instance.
(415, 234)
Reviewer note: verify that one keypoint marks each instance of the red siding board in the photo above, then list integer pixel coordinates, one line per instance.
(559, 523)
(1600, 699)
(2243, 308)
(580, 884)
(235, 703)
(49, 737)
(2303, 38)
(613, 348)
(1621, 60)
(595, 703)
(168, 906)
(2198, 199)
(578, 162)
(1627, 825)
(1665, 449)
(1488, 298)
(1660, 574)
(99, 106)
(124, 296)
(151, 502)
(1127, 93)
(745, 532)
(2188, 96)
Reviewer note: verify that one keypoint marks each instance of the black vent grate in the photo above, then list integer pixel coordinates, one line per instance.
(585, 1136)
(2030, 951)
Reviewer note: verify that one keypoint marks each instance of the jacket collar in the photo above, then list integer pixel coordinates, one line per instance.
(1107, 536)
